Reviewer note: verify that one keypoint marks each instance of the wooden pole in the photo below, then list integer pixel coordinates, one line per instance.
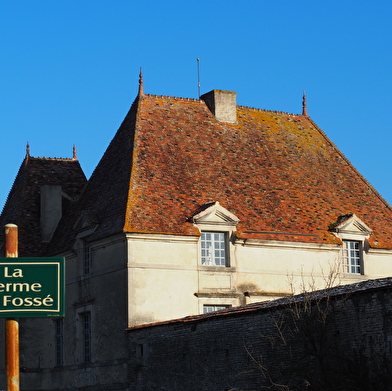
(12, 325)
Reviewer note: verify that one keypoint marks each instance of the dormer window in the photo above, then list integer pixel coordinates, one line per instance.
(216, 225)
(353, 232)
(214, 249)
(351, 258)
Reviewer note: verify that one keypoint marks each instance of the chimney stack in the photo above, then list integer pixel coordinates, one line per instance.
(51, 210)
(222, 104)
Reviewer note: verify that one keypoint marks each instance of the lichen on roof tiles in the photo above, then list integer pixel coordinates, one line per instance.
(277, 172)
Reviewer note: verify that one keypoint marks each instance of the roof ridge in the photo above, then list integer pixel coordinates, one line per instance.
(53, 158)
(240, 106)
(173, 97)
(270, 111)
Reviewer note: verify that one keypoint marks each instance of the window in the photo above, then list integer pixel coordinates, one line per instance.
(211, 308)
(213, 249)
(354, 234)
(59, 342)
(141, 353)
(86, 337)
(87, 258)
(351, 257)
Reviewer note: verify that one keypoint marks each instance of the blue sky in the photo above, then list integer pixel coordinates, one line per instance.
(69, 70)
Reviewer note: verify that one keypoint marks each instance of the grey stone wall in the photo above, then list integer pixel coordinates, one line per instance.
(341, 340)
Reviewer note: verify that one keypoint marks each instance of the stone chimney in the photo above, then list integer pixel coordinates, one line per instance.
(51, 210)
(222, 104)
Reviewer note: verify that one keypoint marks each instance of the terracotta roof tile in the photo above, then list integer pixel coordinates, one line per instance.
(277, 172)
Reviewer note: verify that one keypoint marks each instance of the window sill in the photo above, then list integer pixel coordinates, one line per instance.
(353, 276)
(217, 269)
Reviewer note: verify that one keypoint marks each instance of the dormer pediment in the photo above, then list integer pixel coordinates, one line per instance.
(216, 215)
(86, 223)
(351, 225)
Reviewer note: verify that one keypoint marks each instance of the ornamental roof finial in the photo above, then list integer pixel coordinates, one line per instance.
(141, 92)
(74, 157)
(304, 109)
(27, 149)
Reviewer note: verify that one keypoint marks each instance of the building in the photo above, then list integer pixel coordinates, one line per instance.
(196, 205)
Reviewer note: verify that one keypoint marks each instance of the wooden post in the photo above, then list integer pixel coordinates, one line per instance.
(12, 325)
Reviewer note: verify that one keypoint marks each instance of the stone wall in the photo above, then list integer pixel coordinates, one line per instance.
(340, 339)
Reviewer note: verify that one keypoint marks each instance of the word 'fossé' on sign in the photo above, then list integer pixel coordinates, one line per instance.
(22, 287)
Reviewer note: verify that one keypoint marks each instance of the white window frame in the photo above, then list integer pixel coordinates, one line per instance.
(207, 308)
(352, 257)
(351, 229)
(214, 249)
(216, 219)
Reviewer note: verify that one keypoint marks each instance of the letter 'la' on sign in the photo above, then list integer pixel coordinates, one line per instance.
(32, 287)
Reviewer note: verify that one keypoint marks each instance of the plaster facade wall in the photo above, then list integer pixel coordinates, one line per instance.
(166, 279)
(270, 348)
(162, 277)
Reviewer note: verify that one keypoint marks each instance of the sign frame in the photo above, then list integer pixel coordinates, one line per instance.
(32, 287)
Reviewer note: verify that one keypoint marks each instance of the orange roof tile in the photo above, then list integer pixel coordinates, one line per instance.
(277, 172)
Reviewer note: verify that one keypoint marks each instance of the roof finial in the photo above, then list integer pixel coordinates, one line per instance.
(304, 109)
(141, 92)
(74, 157)
(27, 149)
(198, 76)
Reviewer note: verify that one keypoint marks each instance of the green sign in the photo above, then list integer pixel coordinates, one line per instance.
(32, 287)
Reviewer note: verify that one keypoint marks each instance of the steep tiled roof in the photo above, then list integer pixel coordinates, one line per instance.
(277, 172)
(105, 195)
(23, 203)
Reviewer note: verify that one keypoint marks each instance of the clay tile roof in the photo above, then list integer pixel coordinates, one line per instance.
(23, 203)
(277, 172)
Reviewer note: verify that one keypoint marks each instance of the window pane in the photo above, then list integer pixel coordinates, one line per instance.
(86, 337)
(87, 258)
(59, 340)
(213, 249)
(351, 254)
(211, 308)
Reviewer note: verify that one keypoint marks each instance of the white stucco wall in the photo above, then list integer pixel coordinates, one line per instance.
(166, 279)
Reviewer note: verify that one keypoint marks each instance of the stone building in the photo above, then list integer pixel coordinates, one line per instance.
(196, 205)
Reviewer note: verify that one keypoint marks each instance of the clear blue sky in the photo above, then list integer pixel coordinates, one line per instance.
(69, 70)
